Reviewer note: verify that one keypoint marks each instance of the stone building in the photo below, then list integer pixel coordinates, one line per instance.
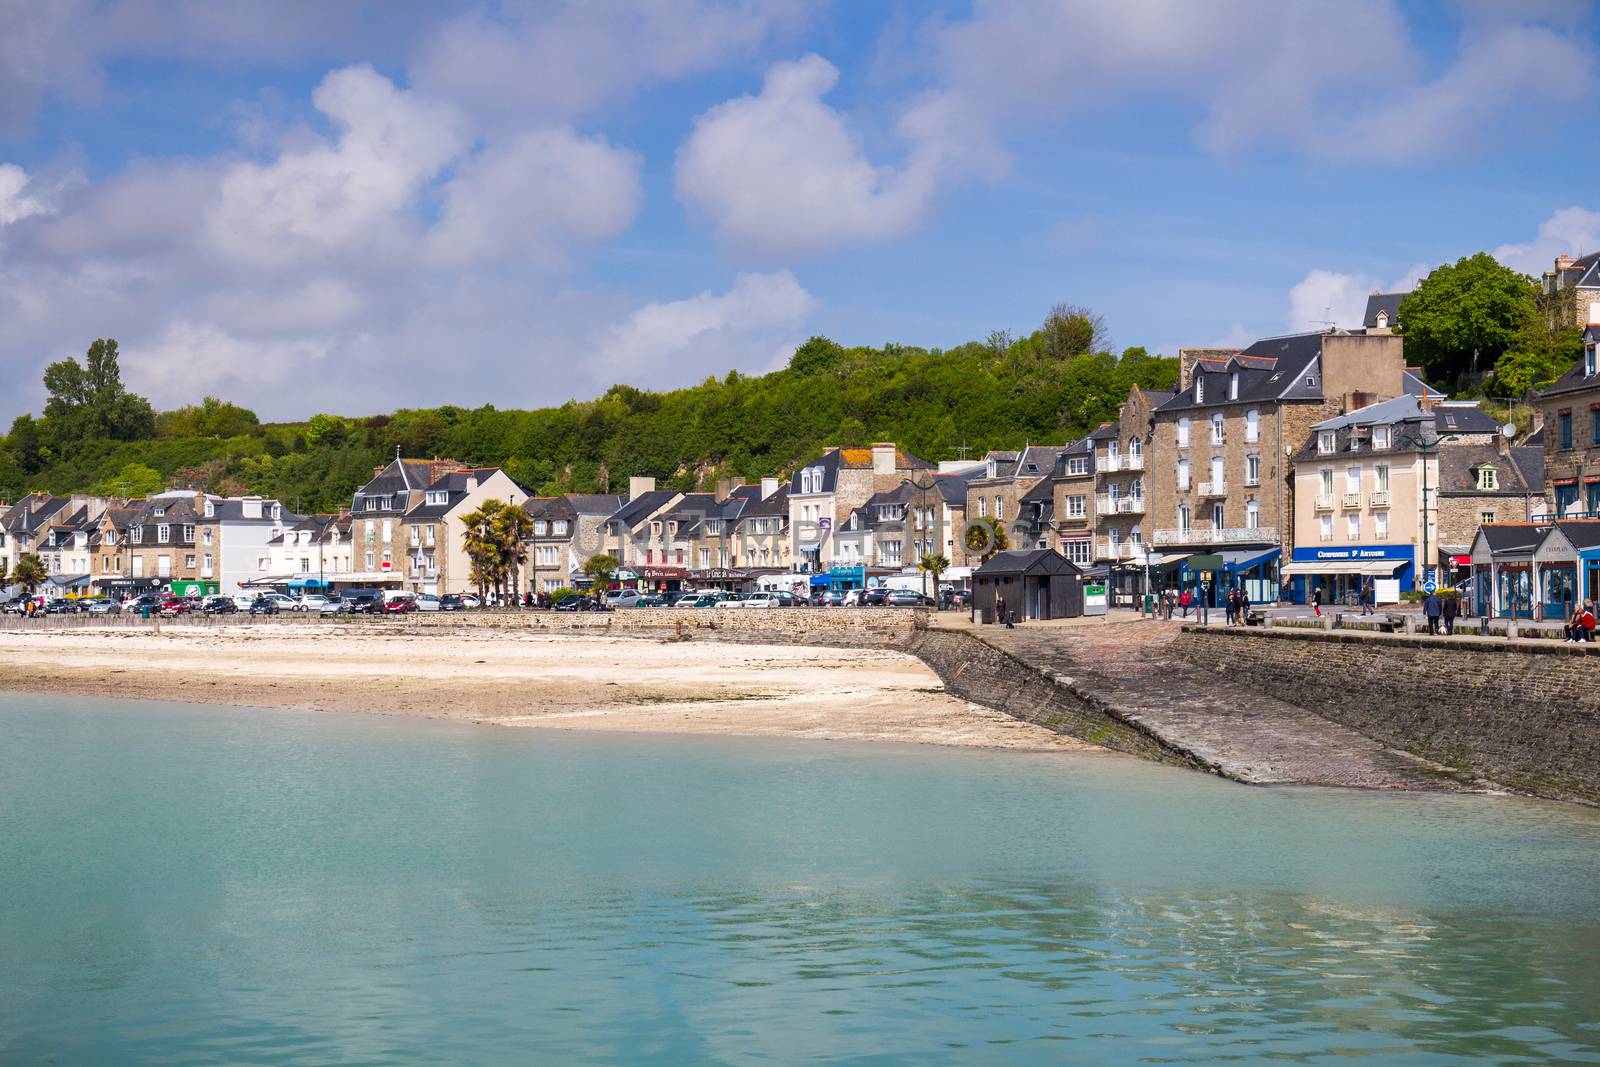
(1218, 446)
(761, 530)
(434, 536)
(1569, 289)
(22, 525)
(1482, 483)
(998, 489)
(823, 493)
(113, 573)
(567, 530)
(162, 543)
(638, 537)
(1570, 410)
(378, 511)
(1072, 503)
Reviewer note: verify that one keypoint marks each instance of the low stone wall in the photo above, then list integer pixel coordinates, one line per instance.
(974, 670)
(1525, 714)
(855, 627)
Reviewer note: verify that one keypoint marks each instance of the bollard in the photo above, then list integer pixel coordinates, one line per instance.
(1338, 621)
(1511, 628)
(1483, 626)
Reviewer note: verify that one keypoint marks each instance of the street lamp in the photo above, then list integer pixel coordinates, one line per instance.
(1425, 447)
(922, 488)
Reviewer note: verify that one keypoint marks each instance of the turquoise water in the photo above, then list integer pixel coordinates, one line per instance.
(199, 885)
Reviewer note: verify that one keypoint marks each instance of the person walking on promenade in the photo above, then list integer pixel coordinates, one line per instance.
(1184, 600)
(1316, 601)
(1433, 607)
(1452, 608)
(1170, 599)
(999, 609)
(1368, 596)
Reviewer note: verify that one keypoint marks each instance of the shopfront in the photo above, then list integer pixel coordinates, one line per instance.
(1256, 569)
(1342, 572)
(1504, 582)
(195, 588)
(126, 588)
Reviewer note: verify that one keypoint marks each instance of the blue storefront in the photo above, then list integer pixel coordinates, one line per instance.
(1340, 571)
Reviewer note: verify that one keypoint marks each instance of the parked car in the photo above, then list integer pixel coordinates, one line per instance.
(427, 602)
(400, 605)
(242, 601)
(628, 598)
(285, 603)
(152, 601)
(652, 600)
(363, 603)
(450, 602)
(470, 600)
(218, 605)
(104, 607)
(264, 605)
(759, 600)
(312, 603)
(906, 598)
(581, 603)
(874, 598)
(175, 605)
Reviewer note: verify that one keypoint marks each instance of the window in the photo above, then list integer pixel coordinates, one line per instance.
(1352, 526)
(1252, 469)
(1486, 516)
(1136, 447)
(1111, 452)
(559, 527)
(1078, 465)
(1382, 474)
(1380, 525)
(1075, 507)
(188, 561)
(1252, 515)
(371, 532)
(211, 509)
(1252, 426)
(1352, 479)
(164, 566)
(1077, 551)
(1218, 519)
(136, 534)
(999, 508)
(388, 529)
(1327, 527)
(1199, 389)
(1136, 490)
(1183, 518)
(305, 563)
(370, 563)
(1488, 478)
(388, 558)
(158, 512)
(1588, 361)
(1183, 474)
(1183, 433)
(1594, 426)
(188, 535)
(1216, 428)
(1325, 441)
(163, 533)
(1327, 481)
(705, 558)
(1233, 386)
(1565, 422)
(1380, 436)
(539, 528)
(1566, 499)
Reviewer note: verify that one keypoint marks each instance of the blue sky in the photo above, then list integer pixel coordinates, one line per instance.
(353, 208)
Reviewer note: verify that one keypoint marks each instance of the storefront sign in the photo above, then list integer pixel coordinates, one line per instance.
(663, 572)
(720, 574)
(1353, 552)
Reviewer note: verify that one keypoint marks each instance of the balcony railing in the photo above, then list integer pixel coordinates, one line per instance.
(1352, 500)
(1213, 488)
(1227, 535)
(1324, 502)
(1131, 463)
(1121, 505)
(1379, 500)
(1104, 549)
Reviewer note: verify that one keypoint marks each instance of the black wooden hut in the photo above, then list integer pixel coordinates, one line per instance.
(1037, 584)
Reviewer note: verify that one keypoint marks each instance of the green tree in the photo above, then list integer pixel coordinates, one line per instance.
(88, 400)
(934, 563)
(30, 573)
(210, 418)
(327, 431)
(984, 537)
(816, 356)
(26, 445)
(602, 567)
(133, 480)
(1464, 316)
(1070, 330)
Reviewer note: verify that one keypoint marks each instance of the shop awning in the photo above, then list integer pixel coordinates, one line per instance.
(819, 579)
(1328, 566)
(1383, 567)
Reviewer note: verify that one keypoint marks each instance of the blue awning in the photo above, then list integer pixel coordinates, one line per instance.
(1236, 560)
(819, 579)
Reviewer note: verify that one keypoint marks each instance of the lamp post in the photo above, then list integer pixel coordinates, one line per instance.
(1425, 447)
(922, 489)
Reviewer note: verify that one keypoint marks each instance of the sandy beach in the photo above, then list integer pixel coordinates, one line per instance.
(527, 680)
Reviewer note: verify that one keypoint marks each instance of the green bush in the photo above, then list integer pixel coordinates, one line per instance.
(558, 595)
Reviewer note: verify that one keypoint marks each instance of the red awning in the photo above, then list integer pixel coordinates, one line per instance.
(1461, 561)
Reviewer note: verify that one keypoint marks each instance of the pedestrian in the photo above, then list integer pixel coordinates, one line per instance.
(999, 608)
(1433, 607)
(1452, 608)
(1316, 601)
(1368, 596)
(1184, 601)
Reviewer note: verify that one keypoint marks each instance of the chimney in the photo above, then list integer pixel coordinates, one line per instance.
(250, 507)
(883, 458)
(472, 480)
(1564, 262)
(639, 486)
(768, 487)
(724, 489)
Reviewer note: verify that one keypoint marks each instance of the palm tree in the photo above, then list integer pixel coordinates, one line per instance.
(30, 573)
(513, 526)
(985, 537)
(934, 563)
(602, 568)
(483, 546)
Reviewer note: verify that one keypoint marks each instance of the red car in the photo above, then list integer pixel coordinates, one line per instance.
(173, 605)
(402, 606)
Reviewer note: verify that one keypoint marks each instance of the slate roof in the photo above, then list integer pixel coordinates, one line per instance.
(1377, 302)
(1460, 417)
(1458, 471)
(641, 507)
(1583, 533)
(1584, 273)
(1505, 537)
(835, 459)
(1274, 368)
(32, 513)
(1575, 380)
(1035, 561)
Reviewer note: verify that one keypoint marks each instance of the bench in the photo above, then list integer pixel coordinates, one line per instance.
(1255, 617)
(1392, 624)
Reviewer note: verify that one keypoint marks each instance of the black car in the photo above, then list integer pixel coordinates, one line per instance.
(874, 598)
(262, 605)
(363, 604)
(450, 602)
(219, 605)
(581, 603)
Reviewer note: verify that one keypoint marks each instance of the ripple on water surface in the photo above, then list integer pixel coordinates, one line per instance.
(195, 885)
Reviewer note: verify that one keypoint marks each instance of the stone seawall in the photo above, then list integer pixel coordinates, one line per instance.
(975, 670)
(852, 627)
(1526, 715)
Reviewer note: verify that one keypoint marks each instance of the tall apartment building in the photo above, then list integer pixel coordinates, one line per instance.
(1570, 409)
(434, 537)
(378, 512)
(825, 492)
(1227, 431)
(567, 530)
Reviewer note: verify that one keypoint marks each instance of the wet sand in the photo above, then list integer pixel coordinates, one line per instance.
(527, 680)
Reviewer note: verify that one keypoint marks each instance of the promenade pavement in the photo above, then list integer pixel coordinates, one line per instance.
(1242, 734)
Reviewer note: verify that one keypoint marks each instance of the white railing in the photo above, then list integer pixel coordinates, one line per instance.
(1210, 536)
(1105, 549)
(1132, 463)
(1379, 500)
(1324, 502)
(1213, 488)
(1352, 500)
(1130, 505)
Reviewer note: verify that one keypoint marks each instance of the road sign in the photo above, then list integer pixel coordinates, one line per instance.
(1430, 586)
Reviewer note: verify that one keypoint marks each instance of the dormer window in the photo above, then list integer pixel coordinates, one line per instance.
(1383, 320)
(1488, 479)
(1325, 441)
(1233, 386)
(158, 512)
(1199, 389)
(211, 509)
(1311, 381)
(1589, 361)
(1380, 437)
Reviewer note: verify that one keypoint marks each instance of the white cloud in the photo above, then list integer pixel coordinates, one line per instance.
(1571, 231)
(564, 58)
(15, 201)
(525, 195)
(782, 173)
(1324, 296)
(707, 333)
